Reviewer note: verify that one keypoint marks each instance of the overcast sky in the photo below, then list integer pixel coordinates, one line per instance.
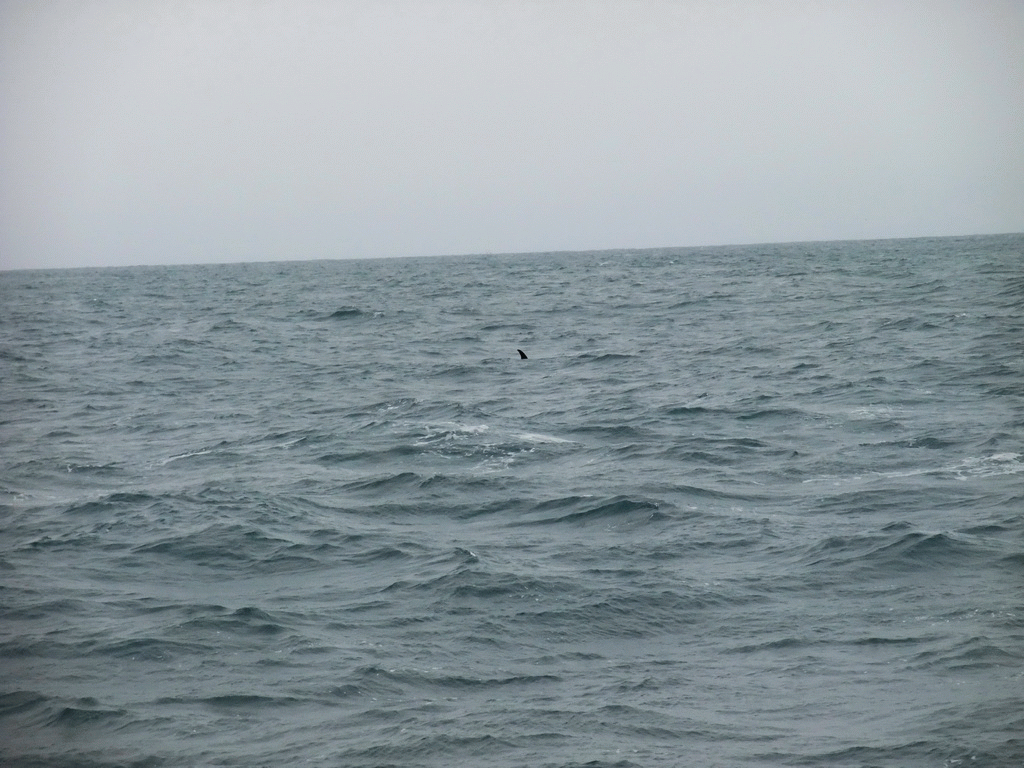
(169, 131)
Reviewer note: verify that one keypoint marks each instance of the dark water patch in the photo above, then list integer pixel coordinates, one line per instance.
(97, 469)
(517, 328)
(447, 683)
(931, 443)
(780, 414)
(906, 324)
(237, 546)
(13, 357)
(875, 641)
(914, 754)
(777, 644)
(373, 457)
(213, 545)
(1012, 389)
(867, 502)
(464, 373)
(372, 681)
(1014, 561)
(1012, 288)
(929, 549)
(469, 586)
(243, 701)
(386, 483)
(733, 494)
(83, 713)
(153, 649)
(42, 607)
(72, 540)
(999, 745)
(436, 569)
(741, 445)
(504, 509)
(242, 623)
(893, 551)
(111, 504)
(686, 410)
(407, 749)
(605, 357)
(803, 367)
(584, 511)
(698, 457)
(379, 555)
(973, 654)
(20, 702)
(635, 615)
(346, 313)
(25, 648)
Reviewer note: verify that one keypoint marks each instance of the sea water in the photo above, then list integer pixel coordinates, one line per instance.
(741, 506)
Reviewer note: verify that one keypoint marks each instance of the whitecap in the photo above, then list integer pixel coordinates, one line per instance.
(536, 437)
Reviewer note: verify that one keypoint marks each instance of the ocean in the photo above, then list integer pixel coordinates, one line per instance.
(749, 506)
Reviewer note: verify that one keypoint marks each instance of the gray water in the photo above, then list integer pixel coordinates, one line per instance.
(744, 506)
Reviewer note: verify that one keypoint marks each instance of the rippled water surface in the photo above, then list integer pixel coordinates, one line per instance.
(747, 506)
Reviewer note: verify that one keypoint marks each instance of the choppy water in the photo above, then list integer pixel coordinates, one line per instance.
(746, 506)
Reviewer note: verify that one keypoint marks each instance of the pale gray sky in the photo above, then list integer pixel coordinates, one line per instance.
(168, 131)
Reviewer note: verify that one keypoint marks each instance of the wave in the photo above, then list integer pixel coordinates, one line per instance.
(638, 613)
(240, 701)
(346, 313)
(87, 714)
(973, 653)
(218, 625)
(309, 514)
(605, 357)
(896, 550)
(373, 680)
(972, 467)
(476, 447)
(235, 546)
(152, 649)
(582, 511)
(18, 702)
